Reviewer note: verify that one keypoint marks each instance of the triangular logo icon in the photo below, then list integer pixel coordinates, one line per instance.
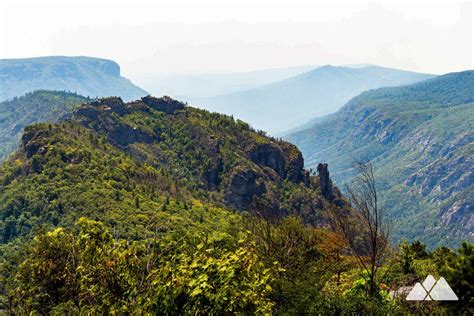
(432, 290)
(429, 282)
(417, 293)
(443, 292)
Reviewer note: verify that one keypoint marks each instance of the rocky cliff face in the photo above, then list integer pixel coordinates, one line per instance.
(271, 156)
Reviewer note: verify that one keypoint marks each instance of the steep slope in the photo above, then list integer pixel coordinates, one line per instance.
(187, 87)
(421, 140)
(38, 106)
(86, 76)
(286, 104)
(123, 161)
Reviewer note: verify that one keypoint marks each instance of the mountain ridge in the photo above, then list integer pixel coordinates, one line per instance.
(165, 144)
(420, 139)
(291, 102)
(200, 85)
(88, 76)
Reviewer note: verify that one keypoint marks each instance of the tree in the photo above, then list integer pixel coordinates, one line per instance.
(365, 228)
(458, 269)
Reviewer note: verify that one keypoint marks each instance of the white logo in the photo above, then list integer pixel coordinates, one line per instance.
(432, 290)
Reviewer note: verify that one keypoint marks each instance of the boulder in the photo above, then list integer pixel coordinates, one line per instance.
(114, 104)
(164, 104)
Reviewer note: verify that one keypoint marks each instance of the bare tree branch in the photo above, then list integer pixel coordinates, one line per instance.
(368, 235)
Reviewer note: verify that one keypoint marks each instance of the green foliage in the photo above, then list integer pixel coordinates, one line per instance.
(95, 272)
(38, 106)
(281, 267)
(413, 263)
(458, 270)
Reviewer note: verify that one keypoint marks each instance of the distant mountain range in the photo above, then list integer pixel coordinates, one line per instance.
(87, 76)
(289, 103)
(421, 140)
(193, 86)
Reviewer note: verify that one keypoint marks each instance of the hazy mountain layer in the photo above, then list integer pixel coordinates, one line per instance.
(422, 142)
(188, 87)
(87, 76)
(287, 104)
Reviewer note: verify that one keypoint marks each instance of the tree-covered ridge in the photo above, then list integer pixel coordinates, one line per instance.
(212, 153)
(144, 155)
(64, 171)
(420, 138)
(440, 92)
(38, 106)
(166, 241)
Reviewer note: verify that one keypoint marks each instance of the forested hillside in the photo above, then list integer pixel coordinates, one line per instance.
(38, 106)
(156, 207)
(211, 157)
(87, 76)
(420, 139)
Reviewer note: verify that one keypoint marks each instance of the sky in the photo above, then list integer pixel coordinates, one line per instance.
(154, 38)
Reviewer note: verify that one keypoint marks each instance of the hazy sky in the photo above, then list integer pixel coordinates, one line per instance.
(158, 37)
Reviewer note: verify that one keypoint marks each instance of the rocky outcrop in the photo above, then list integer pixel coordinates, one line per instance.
(114, 104)
(212, 175)
(443, 177)
(92, 110)
(244, 189)
(285, 159)
(269, 155)
(325, 181)
(88, 112)
(31, 142)
(97, 115)
(328, 189)
(164, 104)
(294, 164)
